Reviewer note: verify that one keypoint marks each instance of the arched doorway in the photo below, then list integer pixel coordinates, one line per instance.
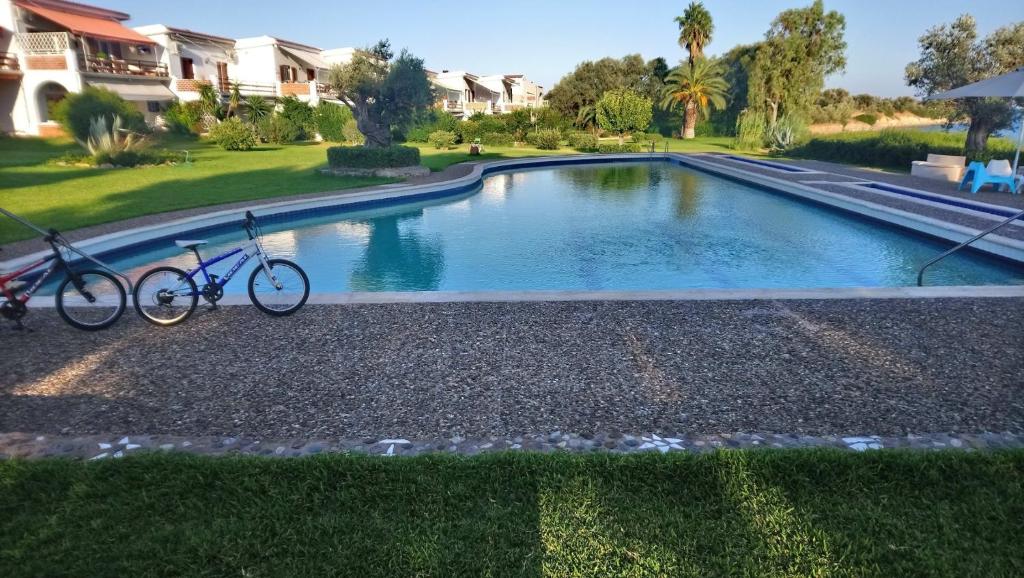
(47, 96)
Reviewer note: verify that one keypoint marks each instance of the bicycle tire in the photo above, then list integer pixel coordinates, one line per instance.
(138, 297)
(285, 264)
(71, 320)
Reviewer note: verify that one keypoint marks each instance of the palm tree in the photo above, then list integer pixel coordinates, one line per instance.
(695, 29)
(587, 117)
(258, 108)
(234, 99)
(699, 87)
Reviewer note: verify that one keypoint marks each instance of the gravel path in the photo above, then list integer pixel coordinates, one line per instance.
(884, 367)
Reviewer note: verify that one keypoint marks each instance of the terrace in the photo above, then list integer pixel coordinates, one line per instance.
(9, 66)
(65, 51)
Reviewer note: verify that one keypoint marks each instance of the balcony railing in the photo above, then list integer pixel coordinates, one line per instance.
(123, 67)
(44, 43)
(9, 62)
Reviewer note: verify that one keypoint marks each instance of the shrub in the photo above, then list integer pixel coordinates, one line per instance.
(497, 139)
(234, 135)
(373, 158)
(257, 108)
(583, 142)
(893, 148)
(184, 118)
(545, 139)
(442, 139)
(278, 129)
(866, 119)
(610, 147)
(76, 112)
(300, 115)
(751, 127)
(419, 134)
(787, 133)
(352, 134)
(331, 120)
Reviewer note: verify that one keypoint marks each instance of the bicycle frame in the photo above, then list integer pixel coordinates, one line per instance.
(248, 251)
(58, 263)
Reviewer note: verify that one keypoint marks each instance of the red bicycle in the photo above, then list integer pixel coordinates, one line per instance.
(91, 300)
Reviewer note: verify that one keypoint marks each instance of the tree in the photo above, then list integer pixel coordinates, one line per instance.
(383, 92)
(952, 56)
(622, 111)
(801, 48)
(585, 85)
(698, 87)
(695, 29)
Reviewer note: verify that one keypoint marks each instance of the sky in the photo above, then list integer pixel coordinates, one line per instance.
(545, 39)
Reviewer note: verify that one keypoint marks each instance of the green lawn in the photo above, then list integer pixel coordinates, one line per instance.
(71, 197)
(807, 513)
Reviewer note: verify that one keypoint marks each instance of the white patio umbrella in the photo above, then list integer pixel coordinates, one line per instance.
(1009, 85)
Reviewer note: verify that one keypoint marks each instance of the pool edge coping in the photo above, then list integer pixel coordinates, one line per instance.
(1003, 247)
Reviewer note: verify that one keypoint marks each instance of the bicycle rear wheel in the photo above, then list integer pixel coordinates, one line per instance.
(165, 296)
(90, 300)
(281, 301)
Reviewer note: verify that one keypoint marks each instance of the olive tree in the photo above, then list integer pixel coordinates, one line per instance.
(953, 55)
(622, 111)
(383, 92)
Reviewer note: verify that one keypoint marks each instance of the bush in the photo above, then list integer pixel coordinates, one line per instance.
(331, 120)
(234, 135)
(77, 110)
(610, 147)
(184, 118)
(352, 134)
(497, 139)
(373, 158)
(419, 134)
(300, 115)
(866, 119)
(894, 148)
(545, 139)
(278, 129)
(442, 139)
(583, 142)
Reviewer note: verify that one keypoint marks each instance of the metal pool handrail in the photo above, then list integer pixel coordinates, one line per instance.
(920, 272)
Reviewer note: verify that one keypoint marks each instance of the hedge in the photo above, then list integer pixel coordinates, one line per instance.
(895, 148)
(629, 147)
(373, 158)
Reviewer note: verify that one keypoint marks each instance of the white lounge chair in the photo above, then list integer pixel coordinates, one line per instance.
(942, 167)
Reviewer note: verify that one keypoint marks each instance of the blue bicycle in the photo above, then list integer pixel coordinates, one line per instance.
(167, 295)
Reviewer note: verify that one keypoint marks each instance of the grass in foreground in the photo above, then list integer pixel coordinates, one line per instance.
(72, 197)
(766, 512)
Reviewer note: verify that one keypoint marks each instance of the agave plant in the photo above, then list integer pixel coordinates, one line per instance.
(108, 142)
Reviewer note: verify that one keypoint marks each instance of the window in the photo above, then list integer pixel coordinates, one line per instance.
(295, 74)
(310, 74)
(153, 106)
(286, 74)
(188, 71)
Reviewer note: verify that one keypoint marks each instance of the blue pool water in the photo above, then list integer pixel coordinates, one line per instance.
(622, 226)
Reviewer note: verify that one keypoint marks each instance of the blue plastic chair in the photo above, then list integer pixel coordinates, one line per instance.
(979, 177)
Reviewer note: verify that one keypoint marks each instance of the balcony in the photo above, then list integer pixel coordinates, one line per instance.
(9, 65)
(123, 67)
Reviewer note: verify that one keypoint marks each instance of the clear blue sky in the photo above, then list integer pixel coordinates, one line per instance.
(544, 39)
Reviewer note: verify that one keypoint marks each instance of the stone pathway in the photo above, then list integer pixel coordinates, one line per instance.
(99, 447)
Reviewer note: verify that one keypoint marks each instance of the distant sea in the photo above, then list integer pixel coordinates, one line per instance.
(1010, 133)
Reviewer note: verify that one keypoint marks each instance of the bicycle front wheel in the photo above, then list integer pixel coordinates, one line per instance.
(90, 300)
(285, 299)
(165, 296)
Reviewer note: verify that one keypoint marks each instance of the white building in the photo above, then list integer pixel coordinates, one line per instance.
(268, 65)
(49, 48)
(192, 58)
(463, 94)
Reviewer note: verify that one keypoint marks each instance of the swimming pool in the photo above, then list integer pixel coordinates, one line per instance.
(622, 226)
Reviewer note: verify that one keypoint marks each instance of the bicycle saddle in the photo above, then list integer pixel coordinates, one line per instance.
(191, 245)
